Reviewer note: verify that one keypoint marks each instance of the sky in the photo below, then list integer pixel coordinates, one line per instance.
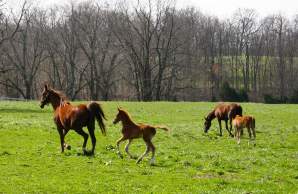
(220, 8)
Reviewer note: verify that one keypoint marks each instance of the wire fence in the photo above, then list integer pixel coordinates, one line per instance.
(4, 98)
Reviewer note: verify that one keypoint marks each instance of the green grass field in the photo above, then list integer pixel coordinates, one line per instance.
(187, 161)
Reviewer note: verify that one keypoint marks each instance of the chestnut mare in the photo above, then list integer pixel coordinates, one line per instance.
(67, 116)
(132, 130)
(240, 122)
(224, 112)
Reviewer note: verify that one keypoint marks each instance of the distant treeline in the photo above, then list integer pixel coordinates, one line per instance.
(148, 52)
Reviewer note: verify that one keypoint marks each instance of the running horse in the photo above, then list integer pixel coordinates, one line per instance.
(68, 116)
(131, 131)
(223, 111)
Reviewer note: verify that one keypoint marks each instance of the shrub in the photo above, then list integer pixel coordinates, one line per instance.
(227, 93)
(243, 96)
(294, 98)
(269, 99)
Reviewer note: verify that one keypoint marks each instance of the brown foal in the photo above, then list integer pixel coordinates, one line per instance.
(132, 131)
(240, 122)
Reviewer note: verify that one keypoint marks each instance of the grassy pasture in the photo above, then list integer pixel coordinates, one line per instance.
(187, 161)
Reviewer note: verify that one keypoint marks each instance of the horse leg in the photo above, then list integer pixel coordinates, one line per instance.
(61, 134)
(230, 121)
(238, 135)
(92, 136)
(152, 148)
(144, 154)
(254, 134)
(230, 131)
(127, 148)
(227, 128)
(65, 144)
(85, 136)
(249, 133)
(118, 144)
(219, 123)
(226, 122)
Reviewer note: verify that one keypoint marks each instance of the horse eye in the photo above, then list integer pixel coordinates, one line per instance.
(46, 95)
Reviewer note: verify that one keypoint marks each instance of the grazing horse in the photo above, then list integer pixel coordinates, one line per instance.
(223, 112)
(132, 131)
(240, 122)
(67, 116)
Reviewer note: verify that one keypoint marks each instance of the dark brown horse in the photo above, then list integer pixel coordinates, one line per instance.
(67, 116)
(132, 131)
(223, 111)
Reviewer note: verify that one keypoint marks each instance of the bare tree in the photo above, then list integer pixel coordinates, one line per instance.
(25, 53)
(96, 41)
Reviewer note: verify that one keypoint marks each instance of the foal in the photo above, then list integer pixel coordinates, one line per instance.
(132, 131)
(240, 122)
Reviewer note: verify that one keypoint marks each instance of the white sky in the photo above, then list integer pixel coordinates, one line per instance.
(220, 8)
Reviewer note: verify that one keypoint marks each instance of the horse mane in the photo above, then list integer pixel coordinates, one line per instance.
(61, 95)
(126, 114)
(211, 115)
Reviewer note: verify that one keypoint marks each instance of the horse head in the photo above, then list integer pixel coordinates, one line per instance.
(118, 116)
(45, 96)
(207, 124)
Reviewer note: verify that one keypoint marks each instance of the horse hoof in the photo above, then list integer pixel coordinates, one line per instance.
(68, 147)
(152, 162)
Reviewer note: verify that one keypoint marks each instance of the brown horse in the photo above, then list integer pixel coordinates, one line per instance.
(223, 112)
(132, 131)
(67, 116)
(240, 122)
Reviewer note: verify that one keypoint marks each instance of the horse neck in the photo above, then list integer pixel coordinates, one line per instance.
(211, 115)
(127, 122)
(56, 101)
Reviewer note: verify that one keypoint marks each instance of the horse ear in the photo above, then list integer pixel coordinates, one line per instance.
(118, 108)
(205, 118)
(46, 87)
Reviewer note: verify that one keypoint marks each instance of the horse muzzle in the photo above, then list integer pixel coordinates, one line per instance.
(115, 121)
(41, 105)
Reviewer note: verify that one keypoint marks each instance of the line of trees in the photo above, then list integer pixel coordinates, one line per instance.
(146, 52)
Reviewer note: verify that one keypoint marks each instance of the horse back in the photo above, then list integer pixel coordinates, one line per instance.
(244, 121)
(234, 110)
(148, 131)
(72, 117)
(225, 111)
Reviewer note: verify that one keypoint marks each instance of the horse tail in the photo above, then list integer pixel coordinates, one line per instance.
(237, 110)
(161, 127)
(97, 112)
